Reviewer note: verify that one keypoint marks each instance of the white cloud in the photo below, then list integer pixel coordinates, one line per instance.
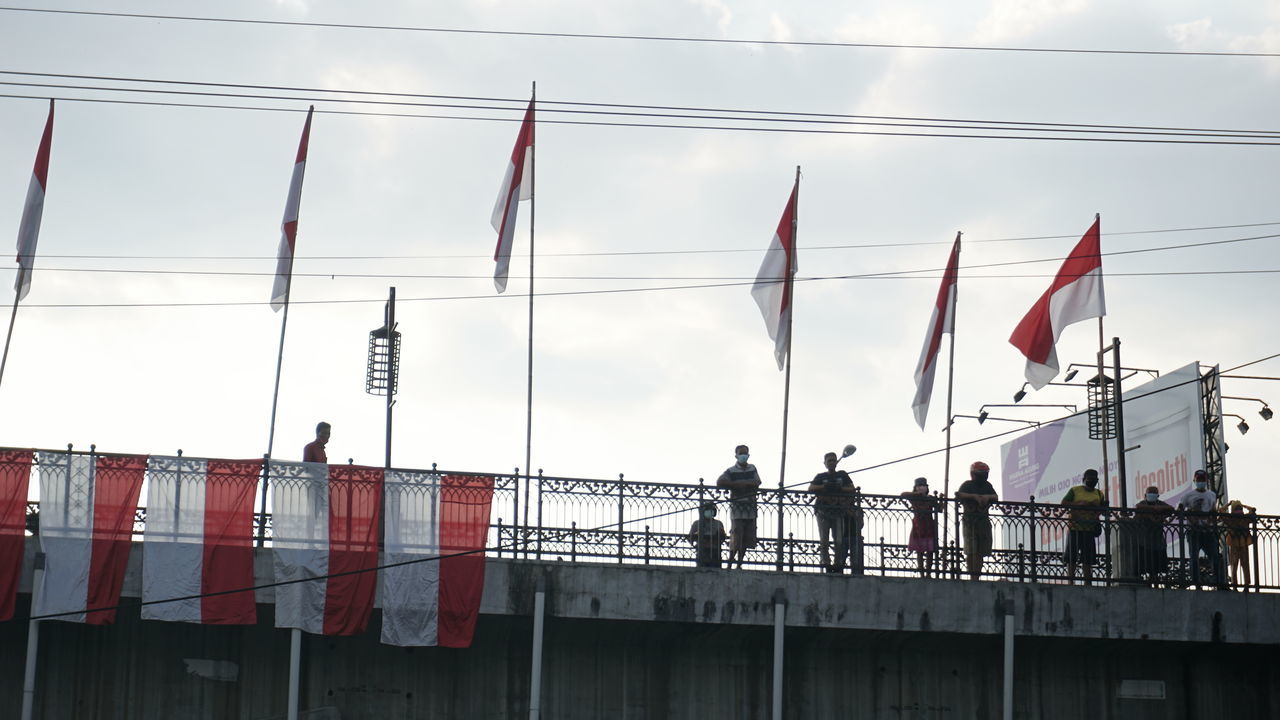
(1012, 19)
(718, 10)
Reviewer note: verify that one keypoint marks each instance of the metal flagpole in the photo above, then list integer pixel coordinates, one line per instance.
(951, 375)
(789, 296)
(1105, 409)
(275, 398)
(13, 317)
(533, 213)
(33, 641)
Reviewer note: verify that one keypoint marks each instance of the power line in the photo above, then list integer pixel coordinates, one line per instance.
(519, 104)
(667, 126)
(631, 253)
(614, 291)
(641, 38)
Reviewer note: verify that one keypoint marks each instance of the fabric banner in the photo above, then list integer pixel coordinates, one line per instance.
(517, 185)
(774, 283)
(15, 476)
(33, 211)
(324, 532)
(199, 540)
(289, 224)
(87, 508)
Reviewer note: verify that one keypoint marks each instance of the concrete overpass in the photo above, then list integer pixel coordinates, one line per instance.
(635, 641)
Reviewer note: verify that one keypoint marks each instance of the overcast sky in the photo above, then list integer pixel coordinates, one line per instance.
(658, 385)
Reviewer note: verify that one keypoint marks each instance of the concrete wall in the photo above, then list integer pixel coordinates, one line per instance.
(653, 642)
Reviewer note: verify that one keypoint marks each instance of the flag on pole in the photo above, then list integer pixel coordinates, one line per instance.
(33, 210)
(87, 508)
(1075, 295)
(15, 476)
(773, 285)
(437, 526)
(325, 526)
(941, 321)
(517, 185)
(199, 540)
(289, 225)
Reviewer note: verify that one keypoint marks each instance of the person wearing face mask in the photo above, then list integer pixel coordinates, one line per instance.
(743, 482)
(707, 536)
(1150, 545)
(1201, 506)
(975, 496)
(1084, 526)
(924, 525)
(832, 509)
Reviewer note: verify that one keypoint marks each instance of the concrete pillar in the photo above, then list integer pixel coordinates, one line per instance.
(1008, 660)
(535, 672)
(779, 624)
(33, 642)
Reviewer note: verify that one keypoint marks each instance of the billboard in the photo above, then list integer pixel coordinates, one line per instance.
(1164, 431)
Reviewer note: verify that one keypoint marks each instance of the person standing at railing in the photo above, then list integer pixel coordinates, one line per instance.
(743, 482)
(833, 508)
(1239, 538)
(1200, 506)
(1150, 515)
(975, 496)
(924, 526)
(1084, 526)
(707, 536)
(314, 450)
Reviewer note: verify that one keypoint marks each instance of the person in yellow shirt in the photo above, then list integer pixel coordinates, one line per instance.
(1084, 526)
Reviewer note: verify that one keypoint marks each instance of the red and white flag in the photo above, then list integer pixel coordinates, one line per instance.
(324, 524)
(199, 540)
(1075, 295)
(33, 211)
(941, 321)
(438, 526)
(15, 476)
(289, 225)
(87, 508)
(517, 185)
(774, 283)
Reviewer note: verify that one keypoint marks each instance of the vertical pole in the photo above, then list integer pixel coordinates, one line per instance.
(951, 375)
(295, 662)
(275, 400)
(1105, 410)
(1008, 661)
(1119, 400)
(393, 369)
(779, 623)
(788, 295)
(535, 672)
(533, 214)
(33, 642)
(13, 317)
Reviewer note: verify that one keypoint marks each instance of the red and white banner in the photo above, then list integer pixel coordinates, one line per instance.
(517, 185)
(289, 225)
(425, 600)
(87, 507)
(324, 525)
(774, 283)
(1075, 295)
(941, 321)
(33, 211)
(199, 540)
(15, 475)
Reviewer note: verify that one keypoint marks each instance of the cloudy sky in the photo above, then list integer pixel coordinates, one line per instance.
(661, 384)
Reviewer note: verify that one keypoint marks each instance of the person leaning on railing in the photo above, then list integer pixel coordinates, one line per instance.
(975, 496)
(1150, 546)
(833, 507)
(1084, 527)
(924, 525)
(1200, 506)
(1239, 537)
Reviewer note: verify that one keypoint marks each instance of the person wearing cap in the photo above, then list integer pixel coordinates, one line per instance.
(833, 508)
(975, 496)
(1151, 547)
(743, 483)
(1239, 537)
(924, 525)
(1200, 507)
(707, 536)
(1084, 526)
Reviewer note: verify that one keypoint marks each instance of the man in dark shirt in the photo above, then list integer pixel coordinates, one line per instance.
(976, 496)
(314, 451)
(743, 482)
(707, 535)
(833, 509)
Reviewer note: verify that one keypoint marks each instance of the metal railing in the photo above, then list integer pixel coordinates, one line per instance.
(623, 521)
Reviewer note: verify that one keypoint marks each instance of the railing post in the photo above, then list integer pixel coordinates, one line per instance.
(782, 491)
(1108, 525)
(262, 516)
(539, 514)
(621, 502)
(515, 513)
(646, 544)
(499, 537)
(1022, 562)
(573, 541)
(1031, 507)
(1253, 533)
(791, 550)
